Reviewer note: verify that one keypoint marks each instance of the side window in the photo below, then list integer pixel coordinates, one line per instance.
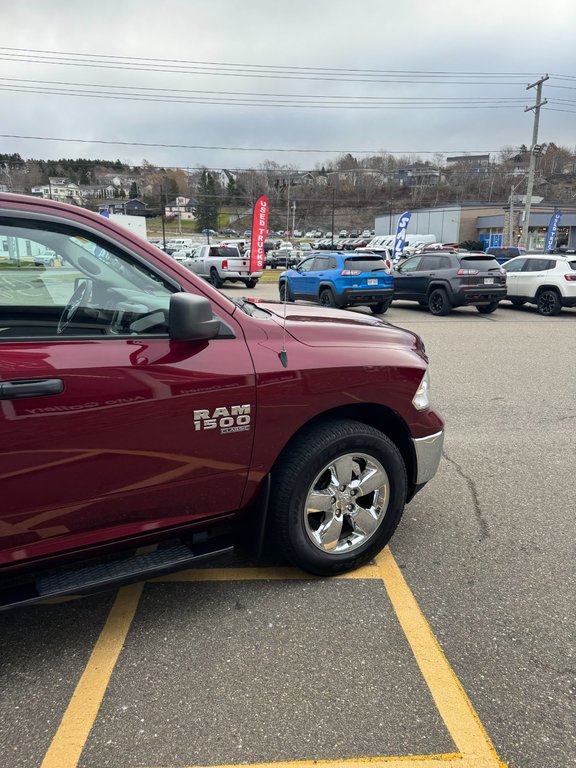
(514, 266)
(305, 266)
(320, 262)
(445, 262)
(538, 265)
(429, 263)
(411, 265)
(332, 262)
(58, 282)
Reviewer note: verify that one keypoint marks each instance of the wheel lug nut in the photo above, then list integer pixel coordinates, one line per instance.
(342, 487)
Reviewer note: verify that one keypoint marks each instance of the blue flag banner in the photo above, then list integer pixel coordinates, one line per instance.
(401, 235)
(552, 231)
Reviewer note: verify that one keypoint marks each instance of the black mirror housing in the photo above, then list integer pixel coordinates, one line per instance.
(191, 318)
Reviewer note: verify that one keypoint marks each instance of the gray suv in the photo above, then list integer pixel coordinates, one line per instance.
(443, 280)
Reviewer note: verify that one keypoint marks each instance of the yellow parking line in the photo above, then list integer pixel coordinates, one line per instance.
(418, 761)
(73, 732)
(370, 571)
(454, 706)
(462, 722)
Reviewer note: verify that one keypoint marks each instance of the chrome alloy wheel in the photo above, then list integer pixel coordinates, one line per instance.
(347, 503)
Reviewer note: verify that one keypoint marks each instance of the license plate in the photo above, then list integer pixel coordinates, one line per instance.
(489, 280)
(372, 281)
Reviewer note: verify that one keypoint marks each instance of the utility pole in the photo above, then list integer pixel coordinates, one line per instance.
(288, 206)
(511, 217)
(162, 217)
(539, 103)
(333, 213)
(293, 217)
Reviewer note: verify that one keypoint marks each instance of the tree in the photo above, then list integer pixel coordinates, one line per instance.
(207, 205)
(133, 191)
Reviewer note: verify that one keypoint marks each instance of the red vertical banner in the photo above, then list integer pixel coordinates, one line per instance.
(259, 231)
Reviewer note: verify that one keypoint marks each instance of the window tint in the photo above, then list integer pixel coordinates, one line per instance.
(411, 265)
(538, 265)
(515, 265)
(306, 265)
(503, 252)
(365, 263)
(572, 264)
(481, 263)
(320, 262)
(54, 282)
(445, 262)
(430, 263)
(332, 262)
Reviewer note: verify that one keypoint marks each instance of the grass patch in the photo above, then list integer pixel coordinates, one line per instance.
(270, 275)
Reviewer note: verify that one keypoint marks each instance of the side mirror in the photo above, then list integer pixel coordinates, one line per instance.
(190, 318)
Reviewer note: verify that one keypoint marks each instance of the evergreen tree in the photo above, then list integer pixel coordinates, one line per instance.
(133, 190)
(207, 205)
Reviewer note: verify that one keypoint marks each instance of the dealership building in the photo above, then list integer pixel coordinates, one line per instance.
(487, 222)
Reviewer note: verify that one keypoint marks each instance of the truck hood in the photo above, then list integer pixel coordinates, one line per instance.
(322, 327)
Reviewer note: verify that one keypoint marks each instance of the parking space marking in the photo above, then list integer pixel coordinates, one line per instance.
(455, 707)
(461, 721)
(77, 722)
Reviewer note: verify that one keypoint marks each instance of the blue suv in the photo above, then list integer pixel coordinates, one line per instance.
(341, 280)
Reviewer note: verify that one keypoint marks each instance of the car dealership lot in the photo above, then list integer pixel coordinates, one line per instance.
(234, 666)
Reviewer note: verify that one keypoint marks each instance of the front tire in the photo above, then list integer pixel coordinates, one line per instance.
(548, 303)
(285, 292)
(438, 302)
(487, 309)
(338, 494)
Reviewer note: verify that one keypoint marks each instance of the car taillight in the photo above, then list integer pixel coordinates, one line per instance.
(467, 272)
(388, 268)
(350, 272)
(225, 264)
(570, 278)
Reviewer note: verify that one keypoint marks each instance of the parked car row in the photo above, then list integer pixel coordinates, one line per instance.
(340, 244)
(438, 280)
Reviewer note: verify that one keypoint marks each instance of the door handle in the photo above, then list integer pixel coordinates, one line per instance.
(12, 390)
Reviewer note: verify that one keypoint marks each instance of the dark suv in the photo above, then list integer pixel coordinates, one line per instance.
(443, 280)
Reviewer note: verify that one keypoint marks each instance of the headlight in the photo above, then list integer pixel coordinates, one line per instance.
(421, 399)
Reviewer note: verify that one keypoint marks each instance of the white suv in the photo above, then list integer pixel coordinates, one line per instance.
(547, 280)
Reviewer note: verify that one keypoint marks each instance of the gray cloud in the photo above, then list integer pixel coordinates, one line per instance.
(494, 37)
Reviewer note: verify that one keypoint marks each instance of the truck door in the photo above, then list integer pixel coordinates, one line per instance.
(108, 427)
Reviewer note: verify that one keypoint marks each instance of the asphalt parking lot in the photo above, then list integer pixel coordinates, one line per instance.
(455, 648)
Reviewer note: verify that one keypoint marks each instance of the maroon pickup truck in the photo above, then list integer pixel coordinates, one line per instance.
(139, 405)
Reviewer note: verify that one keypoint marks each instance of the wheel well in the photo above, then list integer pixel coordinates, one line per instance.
(547, 288)
(435, 286)
(375, 415)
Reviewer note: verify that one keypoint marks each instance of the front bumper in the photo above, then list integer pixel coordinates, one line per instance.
(428, 451)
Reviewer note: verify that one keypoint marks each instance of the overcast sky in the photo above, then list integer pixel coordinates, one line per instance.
(504, 46)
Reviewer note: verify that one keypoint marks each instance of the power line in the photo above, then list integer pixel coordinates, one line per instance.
(407, 72)
(262, 103)
(212, 93)
(252, 149)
